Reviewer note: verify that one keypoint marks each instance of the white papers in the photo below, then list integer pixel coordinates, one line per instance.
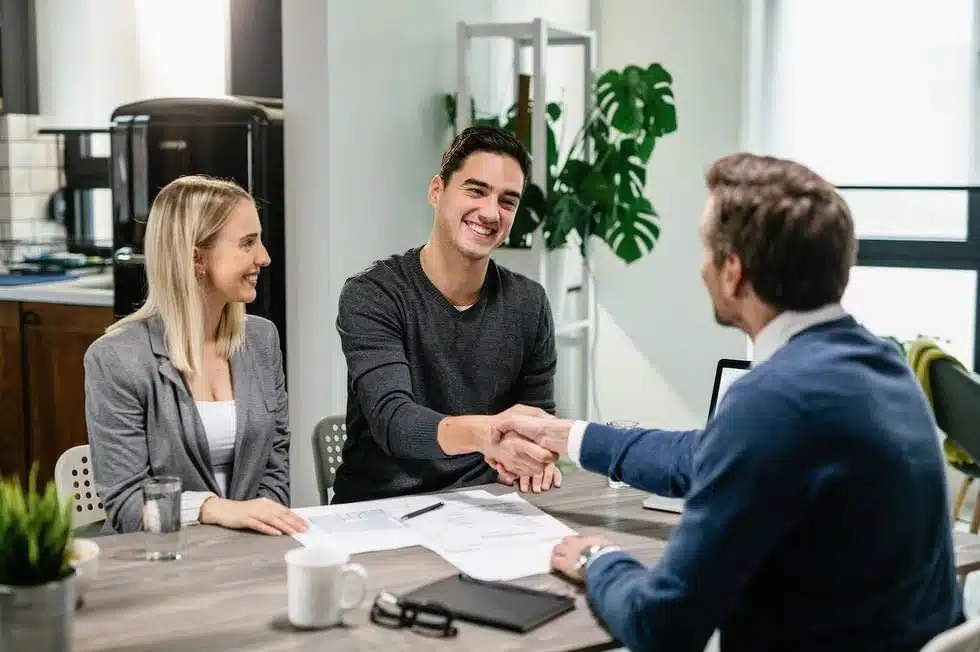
(496, 538)
(368, 526)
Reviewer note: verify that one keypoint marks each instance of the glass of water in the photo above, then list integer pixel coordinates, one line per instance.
(161, 517)
(621, 425)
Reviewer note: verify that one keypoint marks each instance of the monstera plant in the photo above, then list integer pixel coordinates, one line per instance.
(597, 187)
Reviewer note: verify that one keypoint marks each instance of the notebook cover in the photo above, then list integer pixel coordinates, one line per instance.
(494, 604)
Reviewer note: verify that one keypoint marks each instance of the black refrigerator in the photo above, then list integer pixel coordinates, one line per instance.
(155, 141)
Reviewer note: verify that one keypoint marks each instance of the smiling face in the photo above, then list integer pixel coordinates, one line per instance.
(475, 208)
(229, 267)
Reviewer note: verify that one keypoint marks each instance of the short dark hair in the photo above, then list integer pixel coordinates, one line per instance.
(483, 139)
(790, 228)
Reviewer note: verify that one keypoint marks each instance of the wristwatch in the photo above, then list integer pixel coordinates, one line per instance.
(591, 553)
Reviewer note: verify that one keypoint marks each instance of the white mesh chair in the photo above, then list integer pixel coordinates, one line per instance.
(328, 446)
(73, 478)
(962, 638)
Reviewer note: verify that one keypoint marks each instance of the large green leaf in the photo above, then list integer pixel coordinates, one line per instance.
(659, 111)
(566, 213)
(619, 97)
(530, 212)
(635, 231)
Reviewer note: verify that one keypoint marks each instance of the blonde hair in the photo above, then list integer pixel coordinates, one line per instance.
(188, 213)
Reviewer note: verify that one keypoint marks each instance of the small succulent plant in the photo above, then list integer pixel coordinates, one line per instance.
(35, 533)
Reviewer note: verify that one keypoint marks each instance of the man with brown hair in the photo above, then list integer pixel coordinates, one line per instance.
(815, 515)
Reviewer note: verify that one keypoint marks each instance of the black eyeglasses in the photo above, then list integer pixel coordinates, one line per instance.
(427, 618)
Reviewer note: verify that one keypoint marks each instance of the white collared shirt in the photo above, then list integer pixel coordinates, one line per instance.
(770, 339)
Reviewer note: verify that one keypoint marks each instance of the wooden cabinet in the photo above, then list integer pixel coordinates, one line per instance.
(50, 341)
(13, 438)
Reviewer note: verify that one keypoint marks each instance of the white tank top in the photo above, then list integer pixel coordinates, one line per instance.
(219, 422)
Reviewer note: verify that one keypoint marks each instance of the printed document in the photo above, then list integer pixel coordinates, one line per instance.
(368, 526)
(494, 538)
(488, 537)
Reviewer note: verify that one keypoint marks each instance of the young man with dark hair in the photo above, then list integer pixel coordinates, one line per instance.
(816, 515)
(441, 342)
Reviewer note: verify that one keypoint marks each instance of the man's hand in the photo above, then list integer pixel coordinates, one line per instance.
(550, 432)
(551, 477)
(261, 514)
(526, 410)
(485, 434)
(566, 554)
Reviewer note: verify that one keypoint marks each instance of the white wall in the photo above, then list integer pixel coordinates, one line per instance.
(364, 134)
(94, 55)
(658, 342)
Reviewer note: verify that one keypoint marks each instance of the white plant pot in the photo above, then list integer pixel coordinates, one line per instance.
(556, 280)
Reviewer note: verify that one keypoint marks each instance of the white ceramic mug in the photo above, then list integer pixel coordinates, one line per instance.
(317, 580)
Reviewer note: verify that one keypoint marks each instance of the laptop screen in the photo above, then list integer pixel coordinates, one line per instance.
(726, 373)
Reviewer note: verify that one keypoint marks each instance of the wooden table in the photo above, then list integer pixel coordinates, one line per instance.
(229, 590)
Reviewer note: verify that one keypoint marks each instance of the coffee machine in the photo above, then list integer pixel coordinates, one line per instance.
(156, 141)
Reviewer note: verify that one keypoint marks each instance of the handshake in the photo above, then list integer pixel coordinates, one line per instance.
(519, 442)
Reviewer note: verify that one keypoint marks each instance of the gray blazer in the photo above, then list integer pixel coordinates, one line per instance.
(142, 420)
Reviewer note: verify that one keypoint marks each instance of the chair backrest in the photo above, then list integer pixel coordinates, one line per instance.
(956, 403)
(73, 478)
(328, 446)
(962, 638)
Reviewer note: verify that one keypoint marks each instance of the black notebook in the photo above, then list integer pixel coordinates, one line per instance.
(495, 604)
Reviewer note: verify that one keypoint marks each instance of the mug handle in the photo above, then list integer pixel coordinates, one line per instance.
(348, 571)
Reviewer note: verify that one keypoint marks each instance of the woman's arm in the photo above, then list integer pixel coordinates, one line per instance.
(114, 417)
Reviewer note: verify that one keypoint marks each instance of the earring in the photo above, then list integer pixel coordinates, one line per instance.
(200, 274)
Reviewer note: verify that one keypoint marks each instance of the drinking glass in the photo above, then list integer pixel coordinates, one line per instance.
(621, 425)
(161, 518)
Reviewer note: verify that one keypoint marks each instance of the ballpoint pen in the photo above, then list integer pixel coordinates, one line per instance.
(424, 510)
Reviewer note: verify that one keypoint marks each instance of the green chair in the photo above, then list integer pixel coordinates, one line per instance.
(328, 447)
(956, 404)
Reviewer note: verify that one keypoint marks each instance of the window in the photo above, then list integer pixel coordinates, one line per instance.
(911, 303)
(878, 96)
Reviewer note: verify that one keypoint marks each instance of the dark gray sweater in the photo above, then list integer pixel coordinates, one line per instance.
(413, 359)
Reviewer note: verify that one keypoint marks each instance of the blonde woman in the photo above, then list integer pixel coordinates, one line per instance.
(189, 385)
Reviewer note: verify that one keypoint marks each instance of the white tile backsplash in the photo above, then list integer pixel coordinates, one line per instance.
(29, 175)
(15, 127)
(42, 180)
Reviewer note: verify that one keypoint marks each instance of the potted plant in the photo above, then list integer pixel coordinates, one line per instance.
(37, 590)
(599, 194)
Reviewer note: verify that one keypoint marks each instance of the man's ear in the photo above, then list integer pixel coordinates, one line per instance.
(436, 188)
(732, 278)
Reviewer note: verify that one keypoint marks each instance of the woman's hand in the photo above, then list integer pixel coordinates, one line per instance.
(261, 514)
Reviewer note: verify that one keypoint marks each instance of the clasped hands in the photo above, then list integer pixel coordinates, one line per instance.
(517, 447)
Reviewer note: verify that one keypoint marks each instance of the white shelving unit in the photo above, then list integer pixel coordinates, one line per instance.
(539, 35)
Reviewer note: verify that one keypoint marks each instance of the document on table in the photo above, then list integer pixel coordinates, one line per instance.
(368, 526)
(494, 538)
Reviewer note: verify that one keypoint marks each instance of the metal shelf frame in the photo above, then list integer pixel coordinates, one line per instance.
(540, 35)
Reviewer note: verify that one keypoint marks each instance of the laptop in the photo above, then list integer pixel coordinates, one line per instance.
(726, 372)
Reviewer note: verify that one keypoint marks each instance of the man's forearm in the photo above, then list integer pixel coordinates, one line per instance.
(658, 461)
(458, 435)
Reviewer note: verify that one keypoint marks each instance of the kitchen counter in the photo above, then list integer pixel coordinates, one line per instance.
(94, 290)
